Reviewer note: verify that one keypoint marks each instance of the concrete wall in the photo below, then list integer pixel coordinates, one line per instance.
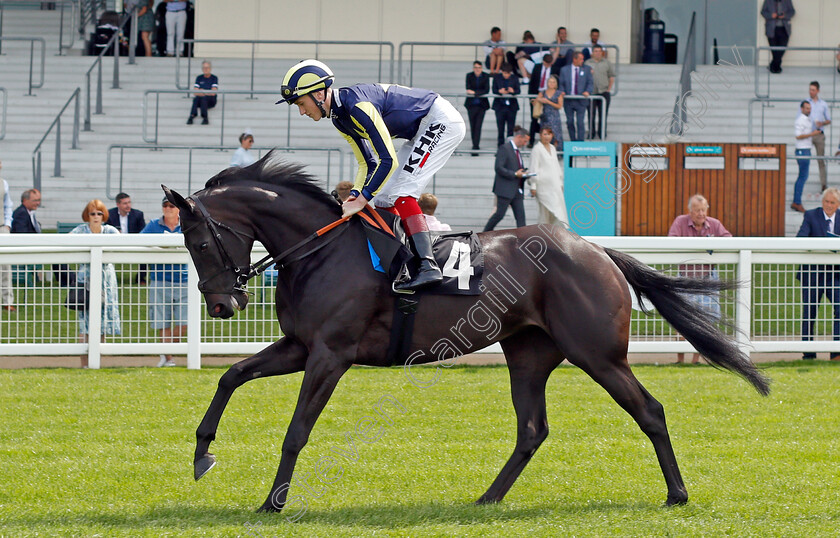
(815, 24)
(401, 20)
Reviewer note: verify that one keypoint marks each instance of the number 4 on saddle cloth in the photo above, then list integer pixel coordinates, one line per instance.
(458, 254)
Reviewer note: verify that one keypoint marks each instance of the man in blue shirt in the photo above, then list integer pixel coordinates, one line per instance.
(167, 286)
(207, 99)
(368, 116)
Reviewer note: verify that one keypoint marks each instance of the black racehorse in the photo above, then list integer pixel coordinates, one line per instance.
(547, 295)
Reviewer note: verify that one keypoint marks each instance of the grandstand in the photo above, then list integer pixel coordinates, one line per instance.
(646, 93)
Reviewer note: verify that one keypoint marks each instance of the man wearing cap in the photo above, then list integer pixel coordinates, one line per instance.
(167, 286)
(368, 116)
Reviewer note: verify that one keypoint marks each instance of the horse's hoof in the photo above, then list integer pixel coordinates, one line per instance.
(204, 464)
(676, 500)
(485, 500)
(268, 507)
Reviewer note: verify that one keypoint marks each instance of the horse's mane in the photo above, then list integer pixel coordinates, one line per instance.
(275, 171)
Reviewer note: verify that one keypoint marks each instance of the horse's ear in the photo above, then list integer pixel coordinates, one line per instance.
(176, 199)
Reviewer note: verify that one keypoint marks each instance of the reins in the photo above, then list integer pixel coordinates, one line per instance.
(282, 260)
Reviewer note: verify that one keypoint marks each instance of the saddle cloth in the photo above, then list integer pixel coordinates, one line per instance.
(458, 254)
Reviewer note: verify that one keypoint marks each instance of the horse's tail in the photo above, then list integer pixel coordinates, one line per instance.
(667, 295)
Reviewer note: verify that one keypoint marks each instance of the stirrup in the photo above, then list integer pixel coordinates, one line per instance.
(402, 292)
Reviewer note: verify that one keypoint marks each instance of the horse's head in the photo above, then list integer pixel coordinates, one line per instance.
(221, 254)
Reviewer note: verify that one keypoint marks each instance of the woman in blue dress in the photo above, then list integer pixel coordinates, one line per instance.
(95, 214)
(552, 102)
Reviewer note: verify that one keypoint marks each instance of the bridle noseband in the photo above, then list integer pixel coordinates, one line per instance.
(244, 273)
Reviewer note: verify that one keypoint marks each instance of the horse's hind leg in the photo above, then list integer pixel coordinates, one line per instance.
(282, 357)
(619, 381)
(531, 357)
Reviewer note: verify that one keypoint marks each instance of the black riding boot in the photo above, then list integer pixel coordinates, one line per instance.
(429, 273)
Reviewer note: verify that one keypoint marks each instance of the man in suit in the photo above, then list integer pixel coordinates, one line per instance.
(821, 279)
(537, 84)
(576, 79)
(128, 221)
(23, 218)
(510, 177)
(124, 218)
(777, 15)
(506, 87)
(478, 86)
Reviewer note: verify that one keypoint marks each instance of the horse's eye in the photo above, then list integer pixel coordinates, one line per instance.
(202, 247)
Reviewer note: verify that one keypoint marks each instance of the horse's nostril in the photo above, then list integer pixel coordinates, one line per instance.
(217, 309)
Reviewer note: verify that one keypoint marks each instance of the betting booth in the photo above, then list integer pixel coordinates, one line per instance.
(590, 176)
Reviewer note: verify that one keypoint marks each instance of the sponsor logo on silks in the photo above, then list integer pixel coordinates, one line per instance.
(424, 147)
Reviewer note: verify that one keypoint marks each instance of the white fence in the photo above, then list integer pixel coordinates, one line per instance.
(767, 310)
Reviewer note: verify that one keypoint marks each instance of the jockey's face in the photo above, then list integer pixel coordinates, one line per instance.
(308, 107)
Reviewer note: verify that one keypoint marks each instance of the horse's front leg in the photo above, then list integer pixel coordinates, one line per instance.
(323, 370)
(285, 356)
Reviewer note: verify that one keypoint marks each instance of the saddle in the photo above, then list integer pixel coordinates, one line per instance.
(458, 254)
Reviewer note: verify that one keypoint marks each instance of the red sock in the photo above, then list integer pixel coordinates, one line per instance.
(412, 218)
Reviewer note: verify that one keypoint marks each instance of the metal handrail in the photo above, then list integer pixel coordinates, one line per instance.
(680, 116)
(32, 41)
(758, 50)
(3, 118)
(98, 64)
(36, 153)
(158, 147)
(412, 44)
(154, 140)
(255, 42)
(72, 4)
(765, 104)
(87, 13)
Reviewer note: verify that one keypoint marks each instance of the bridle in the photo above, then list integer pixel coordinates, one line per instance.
(244, 273)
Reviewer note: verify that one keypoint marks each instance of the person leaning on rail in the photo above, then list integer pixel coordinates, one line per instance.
(368, 116)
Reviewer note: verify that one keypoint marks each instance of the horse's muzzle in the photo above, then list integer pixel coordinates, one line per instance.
(225, 306)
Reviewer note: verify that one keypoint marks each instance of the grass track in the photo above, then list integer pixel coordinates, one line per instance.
(109, 452)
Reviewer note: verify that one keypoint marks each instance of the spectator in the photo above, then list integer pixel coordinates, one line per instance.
(594, 40)
(125, 219)
(777, 15)
(167, 286)
(820, 117)
(552, 102)
(428, 204)
(804, 131)
(176, 25)
(526, 55)
(495, 51)
(547, 183)
(509, 181)
(819, 280)
(603, 78)
(7, 297)
(505, 86)
(23, 218)
(563, 54)
(478, 85)
(95, 216)
(342, 190)
(697, 224)
(576, 79)
(128, 221)
(241, 157)
(207, 99)
(145, 21)
(837, 57)
(538, 84)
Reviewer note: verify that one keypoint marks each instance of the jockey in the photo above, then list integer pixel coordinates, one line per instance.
(369, 116)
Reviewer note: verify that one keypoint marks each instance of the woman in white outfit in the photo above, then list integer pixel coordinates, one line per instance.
(547, 184)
